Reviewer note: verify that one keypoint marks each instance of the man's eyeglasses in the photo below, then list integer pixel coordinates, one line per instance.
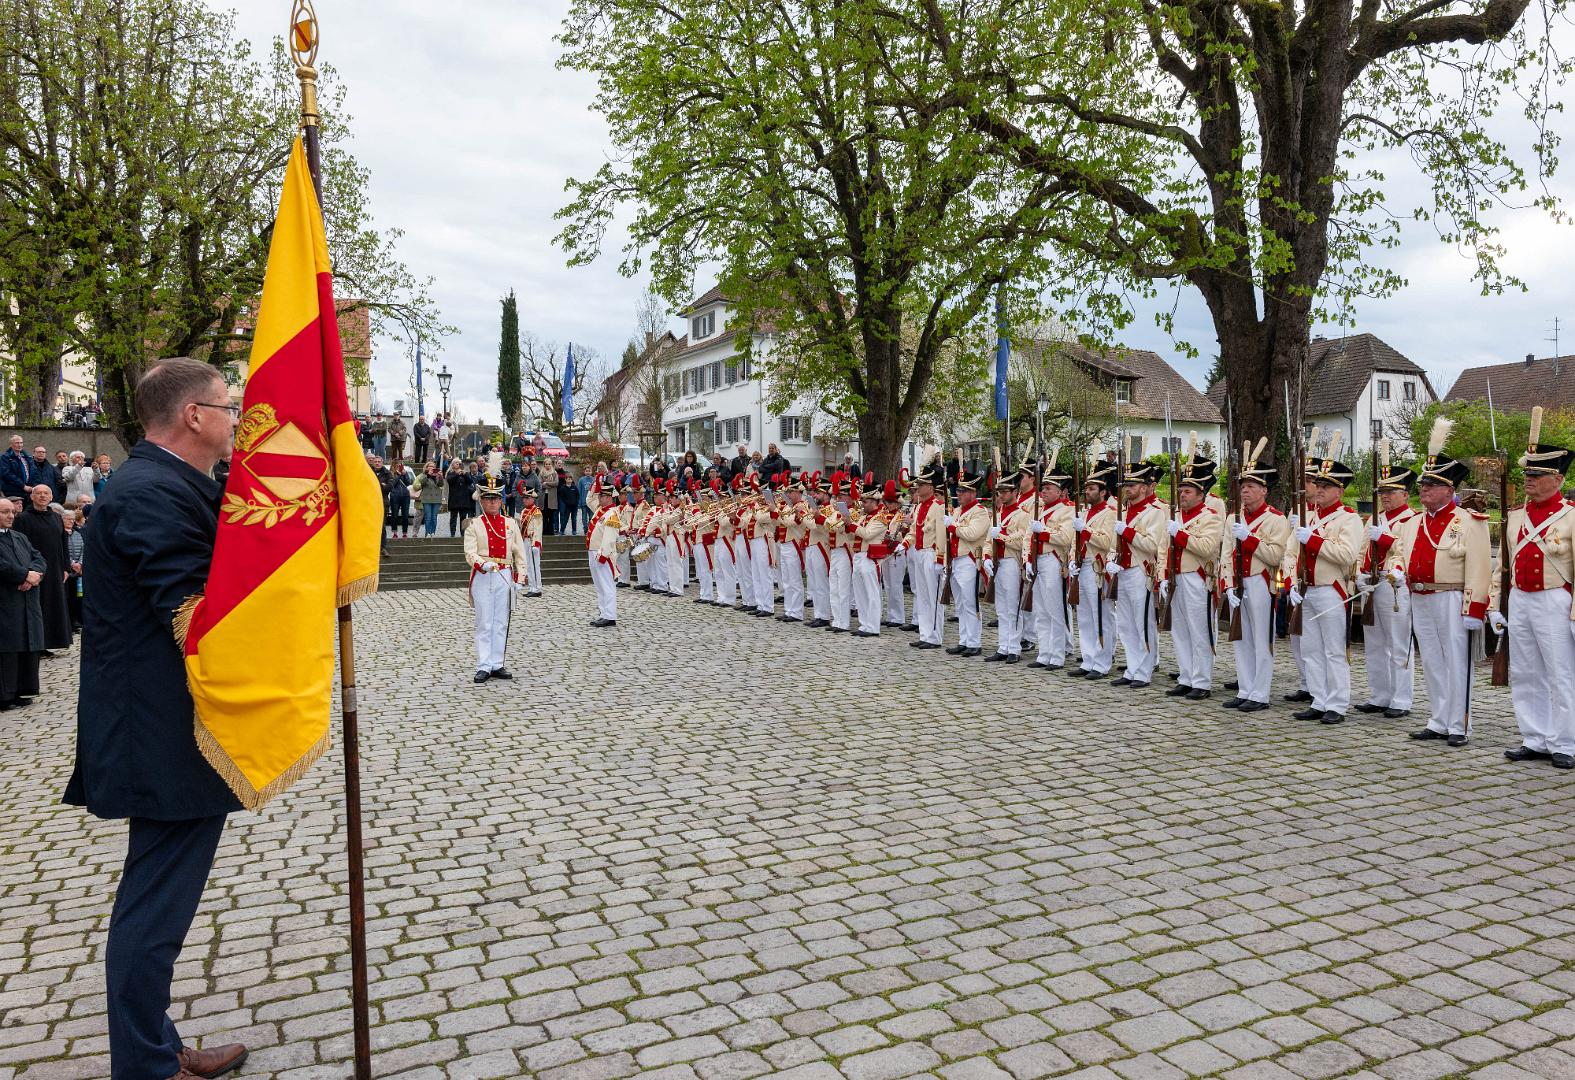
(233, 410)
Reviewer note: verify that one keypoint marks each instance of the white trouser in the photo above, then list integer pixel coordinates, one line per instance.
(726, 570)
(490, 593)
(817, 570)
(643, 570)
(760, 564)
(1135, 624)
(1050, 611)
(1444, 645)
(533, 568)
(677, 566)
(1324, 664)
(1391, 663)
(746, 571)
(1296, 654)
(623, 565)
(1542, 669)
(1096, 619)
(705, 561)
(841, 586)
(1008, 595)
(965, 601)
(658, 564)
(1255, 650)
(790, 568)
(893, 568)
(606, 592)
(866, 592)
(1191, 613)
(926, 573)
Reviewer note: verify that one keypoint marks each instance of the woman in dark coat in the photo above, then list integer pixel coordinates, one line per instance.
(461, 505)
(43, 527)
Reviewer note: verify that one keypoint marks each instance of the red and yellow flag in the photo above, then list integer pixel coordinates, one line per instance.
(298, 529)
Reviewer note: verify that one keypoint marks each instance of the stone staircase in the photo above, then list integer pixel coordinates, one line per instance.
(439, 563)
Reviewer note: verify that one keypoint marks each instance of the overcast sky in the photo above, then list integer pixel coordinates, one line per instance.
(469, 131)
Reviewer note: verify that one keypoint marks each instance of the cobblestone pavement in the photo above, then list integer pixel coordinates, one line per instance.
(704, 845)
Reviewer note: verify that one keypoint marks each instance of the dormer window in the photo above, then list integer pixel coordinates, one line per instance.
(1124, 391)
(703, 326)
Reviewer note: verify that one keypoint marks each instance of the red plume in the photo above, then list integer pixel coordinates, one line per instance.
(869, 478)
(890, 491)
(902, 478)
(716, 484)
(836, 483)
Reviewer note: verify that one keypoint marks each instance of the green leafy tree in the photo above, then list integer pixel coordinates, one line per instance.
(142, 150)
(509, 363)
(799, 147)
(1472, 438)
(1237, 147)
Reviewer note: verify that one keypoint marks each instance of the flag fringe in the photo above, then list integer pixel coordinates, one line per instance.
(180, 624)
(252, 798)
(358, 589)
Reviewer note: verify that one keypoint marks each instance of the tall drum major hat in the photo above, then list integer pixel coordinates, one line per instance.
(1392, 477)
(1054, 473)
(492, 483)
(1327, 468)
(1544, 459)
(1440, 468)
(1250, 467)
(970, 481)
(1103, 474)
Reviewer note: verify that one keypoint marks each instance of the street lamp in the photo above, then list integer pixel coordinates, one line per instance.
(444, 381)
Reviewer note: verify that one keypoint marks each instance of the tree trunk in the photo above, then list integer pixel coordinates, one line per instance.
(1262, 360)
(882, 424)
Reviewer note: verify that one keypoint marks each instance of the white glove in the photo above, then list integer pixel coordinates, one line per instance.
(900, 549)
(1174, 527)
(1497, 621)
(1397, 578)
(1164, 588)
(1376, 533)
(1296, 597)
(1122, 528)
(1303, 535)
(1473, 624)
(488, 566)
(1037, 527)
(1079, 524)
(947, 521)
(1232, 599)
(1295, 520)
(989, 568)
(1112, 570)
(995, 532)
(1028, 571)
(1239, 530)
(1364, 581)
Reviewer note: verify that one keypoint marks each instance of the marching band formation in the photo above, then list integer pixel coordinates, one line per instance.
(1078, 563)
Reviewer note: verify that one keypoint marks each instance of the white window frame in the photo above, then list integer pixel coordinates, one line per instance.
(793, 429)
(1124, 391)
(1410, 390)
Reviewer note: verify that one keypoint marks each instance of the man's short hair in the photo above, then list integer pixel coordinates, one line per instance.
(169, 386)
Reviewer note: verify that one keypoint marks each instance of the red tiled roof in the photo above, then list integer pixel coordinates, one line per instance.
(1549, 382)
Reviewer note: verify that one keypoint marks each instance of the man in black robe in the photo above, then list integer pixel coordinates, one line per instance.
(21, 617)
(43, 527)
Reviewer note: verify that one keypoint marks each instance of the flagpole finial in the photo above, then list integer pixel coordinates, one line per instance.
(303, 50)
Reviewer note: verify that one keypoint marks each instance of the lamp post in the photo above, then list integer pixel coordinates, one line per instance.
(444, 381)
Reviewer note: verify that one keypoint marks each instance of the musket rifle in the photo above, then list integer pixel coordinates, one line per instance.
(1172, 556)
(1500, 675)
(946, 540)
(1121, 477)
(1073, 591)
(1025, 598)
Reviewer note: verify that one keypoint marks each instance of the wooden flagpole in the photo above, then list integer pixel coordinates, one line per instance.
(303, 48)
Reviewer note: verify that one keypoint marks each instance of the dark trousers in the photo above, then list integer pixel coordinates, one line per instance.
(421, 450)
(167, 864)
(18, 676)
(456, 520)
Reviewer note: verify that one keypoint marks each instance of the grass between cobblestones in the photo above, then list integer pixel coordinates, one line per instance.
(702, 845)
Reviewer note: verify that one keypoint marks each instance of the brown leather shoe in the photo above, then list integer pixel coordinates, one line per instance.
(210, 1063)
(184, 1075)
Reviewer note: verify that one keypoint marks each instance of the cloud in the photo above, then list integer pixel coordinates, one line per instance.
(470, 130)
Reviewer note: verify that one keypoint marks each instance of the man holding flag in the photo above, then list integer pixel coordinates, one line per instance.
(180, 721)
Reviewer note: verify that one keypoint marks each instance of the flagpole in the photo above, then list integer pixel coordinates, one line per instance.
(303, 47)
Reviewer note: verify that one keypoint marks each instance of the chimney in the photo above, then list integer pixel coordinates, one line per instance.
(1531, 358)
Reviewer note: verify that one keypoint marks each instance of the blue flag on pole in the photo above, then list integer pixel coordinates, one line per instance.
(1003, 350)
(568, 387)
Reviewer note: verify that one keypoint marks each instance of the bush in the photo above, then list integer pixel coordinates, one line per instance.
(588, 455)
